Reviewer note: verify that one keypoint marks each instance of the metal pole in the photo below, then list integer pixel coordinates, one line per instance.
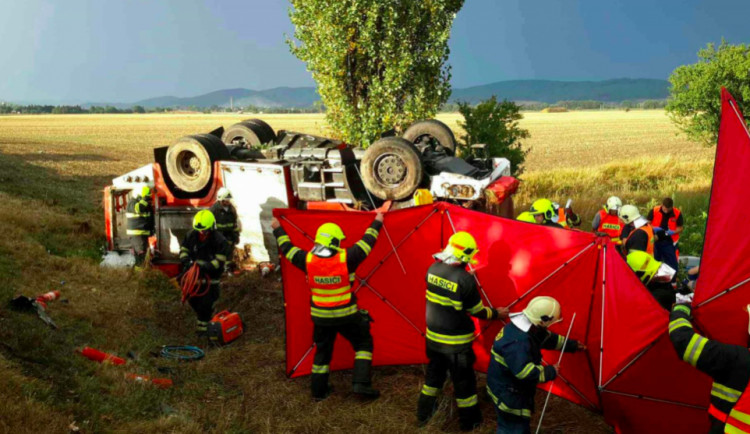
(387, 235)
(559, 360)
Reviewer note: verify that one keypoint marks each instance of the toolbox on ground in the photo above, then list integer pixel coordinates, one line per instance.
(225, 327)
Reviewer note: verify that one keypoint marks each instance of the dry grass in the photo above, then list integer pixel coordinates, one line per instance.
(52, 169)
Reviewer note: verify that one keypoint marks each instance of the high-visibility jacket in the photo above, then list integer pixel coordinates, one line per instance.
(649, 230)
(226, 221)
(329, 283)
(211, 253)
(672, 223)
(140, 217)
(611, 225)
(728, 366)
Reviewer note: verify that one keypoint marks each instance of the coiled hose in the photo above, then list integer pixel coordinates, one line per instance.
(181, 352)
(190, 283)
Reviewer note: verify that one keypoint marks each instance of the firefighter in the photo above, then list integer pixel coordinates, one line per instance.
(667, 220)
(206, 247)
(452, 297)
(140, 221)
(542, 212)
(728, 366)
(226, 221)
(607, 222)
(640, 233)
(333, 306)
(646, 268)
(565, 217)
(516, 364)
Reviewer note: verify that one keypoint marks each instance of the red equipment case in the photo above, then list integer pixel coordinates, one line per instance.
(225, 327)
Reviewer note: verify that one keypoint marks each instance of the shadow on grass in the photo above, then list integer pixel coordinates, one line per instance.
(46, 156)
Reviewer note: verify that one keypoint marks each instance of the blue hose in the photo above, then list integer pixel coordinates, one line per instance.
(181, 352)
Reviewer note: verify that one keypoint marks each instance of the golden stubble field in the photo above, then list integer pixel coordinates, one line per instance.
(52, 170)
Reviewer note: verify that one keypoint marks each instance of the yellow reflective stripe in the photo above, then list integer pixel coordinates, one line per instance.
(215, 263)
(342, 256)
(309, 257)
(333, 313)
(740, 416)
(184, 255)
(430, 391)
(729, 429)
(678, 323)
(363, 355)
(467, 402)
(320, 369)
(224, 225)
(524, 412)
(138, 232)
(336, 291)
(283, 239)
(290, 254)
(560, 342)
(331, 299)
(498, 358)
(184, 249)
(500, 335)
(477, 308)
(444, 301)
(726, 393)
(694, 349)
(542, 378)
(352, 276)
(682, 308)
(492, 395)
(364, 246)
(526, 371)
(221, 257)
(371, 231)
(450, 339)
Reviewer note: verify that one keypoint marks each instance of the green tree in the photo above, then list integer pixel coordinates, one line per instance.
(695, 106)
(138, 109)
(378, 64)
(496, 125)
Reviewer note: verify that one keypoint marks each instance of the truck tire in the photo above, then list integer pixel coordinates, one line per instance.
(251, 133)
(190, 161)
(431, 132)
(391, 168)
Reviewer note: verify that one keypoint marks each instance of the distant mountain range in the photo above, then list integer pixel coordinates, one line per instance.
(546, 91)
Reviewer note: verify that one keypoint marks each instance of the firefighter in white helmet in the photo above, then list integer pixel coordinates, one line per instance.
(607, 222)
(516, 363)
(226, 221)
(638, 232)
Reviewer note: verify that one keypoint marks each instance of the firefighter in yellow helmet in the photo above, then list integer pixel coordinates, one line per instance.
(333, 306)
(542, 212)
(139, 216)
(452, 299)
(206, 247)
(657, 276)
(516, 364)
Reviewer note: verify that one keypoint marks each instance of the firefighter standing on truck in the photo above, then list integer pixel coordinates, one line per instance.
(451, 297)
(728, 365)
(140, 221)
(227, 222)
(333, 306)
(516, 364)
(207, 248)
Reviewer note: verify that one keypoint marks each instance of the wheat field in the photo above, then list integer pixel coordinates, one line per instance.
(52, 171)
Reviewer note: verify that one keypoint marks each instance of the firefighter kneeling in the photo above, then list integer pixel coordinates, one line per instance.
(333, 306)
(516, 363)
(451, 297)
(207, 250)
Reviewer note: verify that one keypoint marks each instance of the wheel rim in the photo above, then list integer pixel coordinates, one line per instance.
(189, 164)
(389, 169)
(429, 141)
(239, 140)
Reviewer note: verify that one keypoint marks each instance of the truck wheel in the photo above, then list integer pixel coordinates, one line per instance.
(391, 168)
(190, 161)
(251, 133)
(432, 133)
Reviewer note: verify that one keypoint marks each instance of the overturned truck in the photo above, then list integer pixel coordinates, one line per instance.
(265, 169)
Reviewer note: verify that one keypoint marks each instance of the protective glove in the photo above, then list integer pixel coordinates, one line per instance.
(658, 229)
(684, 299)
(671, 232)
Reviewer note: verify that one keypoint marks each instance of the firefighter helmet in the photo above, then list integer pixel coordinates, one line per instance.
(613, 204)
(143, 191)
(543, 311)
(526, 217)
(204, 220)
(224, 194)
(629, 213)
(464, 247)
(644, 265)
(543, 207)
(329, 235)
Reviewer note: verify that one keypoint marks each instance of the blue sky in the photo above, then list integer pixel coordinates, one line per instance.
(127, 50)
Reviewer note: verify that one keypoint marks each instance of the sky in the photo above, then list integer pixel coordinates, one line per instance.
(75, 51)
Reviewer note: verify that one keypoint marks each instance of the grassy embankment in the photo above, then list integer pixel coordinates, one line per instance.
(52, 169)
